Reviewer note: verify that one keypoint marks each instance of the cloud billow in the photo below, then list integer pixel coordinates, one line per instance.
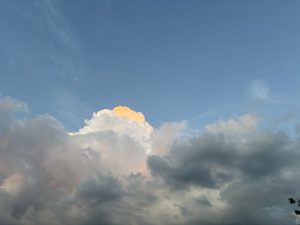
(211, 160)
(231, 173)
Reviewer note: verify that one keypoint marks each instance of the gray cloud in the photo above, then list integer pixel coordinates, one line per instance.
(210, 160)
(217, 177)
(251, 174)
(100, 189)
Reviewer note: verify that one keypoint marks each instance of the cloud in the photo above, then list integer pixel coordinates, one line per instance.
(122, 140)
(100, 188)
(121, 120)
(117, 170)
(259, 90)
(241, 126)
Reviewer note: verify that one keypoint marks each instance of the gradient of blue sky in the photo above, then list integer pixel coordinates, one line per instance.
(172, 60)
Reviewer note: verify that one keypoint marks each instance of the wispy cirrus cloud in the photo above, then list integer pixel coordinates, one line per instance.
(259, 90)
(64, 50)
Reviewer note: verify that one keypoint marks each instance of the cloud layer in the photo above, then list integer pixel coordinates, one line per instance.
(119, 170)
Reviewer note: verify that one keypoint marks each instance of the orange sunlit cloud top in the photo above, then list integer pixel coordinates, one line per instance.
(124, 111)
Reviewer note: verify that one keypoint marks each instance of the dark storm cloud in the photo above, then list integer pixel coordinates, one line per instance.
(203, 201)
(217, 177)
(251, 174)
(211, 160)
(100, 189)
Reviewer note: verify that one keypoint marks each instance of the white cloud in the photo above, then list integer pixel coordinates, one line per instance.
(241, 126)
(107, 120)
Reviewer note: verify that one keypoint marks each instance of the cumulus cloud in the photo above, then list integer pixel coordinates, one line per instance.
(122, 121)
(241, 126)
(118, 169)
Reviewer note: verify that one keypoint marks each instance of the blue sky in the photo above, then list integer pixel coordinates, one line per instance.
(172, 60)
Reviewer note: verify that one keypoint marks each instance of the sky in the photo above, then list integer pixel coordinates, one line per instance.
(149, 112)
(171, 60)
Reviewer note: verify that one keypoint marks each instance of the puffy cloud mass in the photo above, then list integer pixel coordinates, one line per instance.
(118, 170)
